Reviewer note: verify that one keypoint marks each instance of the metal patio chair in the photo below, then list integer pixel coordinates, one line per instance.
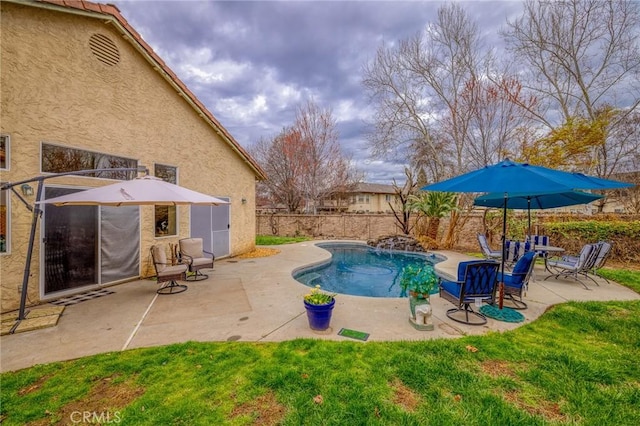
(572, 266)
(166, 272)
(476, 284)
(517, 281)
(192, 253)
(487, 251)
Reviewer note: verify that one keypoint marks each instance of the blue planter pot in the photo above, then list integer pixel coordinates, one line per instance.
(319, 316)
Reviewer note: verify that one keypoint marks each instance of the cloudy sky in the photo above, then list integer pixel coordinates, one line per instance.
(252, 63)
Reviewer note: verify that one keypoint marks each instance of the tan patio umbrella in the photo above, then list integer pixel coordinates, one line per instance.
(145, 190)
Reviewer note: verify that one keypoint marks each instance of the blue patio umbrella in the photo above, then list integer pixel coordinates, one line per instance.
(508, 177)
(535, 200)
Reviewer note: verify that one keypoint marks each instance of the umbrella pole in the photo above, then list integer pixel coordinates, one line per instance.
(529, 215)
(504, 252)
(27, 266)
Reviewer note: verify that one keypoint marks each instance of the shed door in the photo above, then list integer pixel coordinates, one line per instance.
(211, 223)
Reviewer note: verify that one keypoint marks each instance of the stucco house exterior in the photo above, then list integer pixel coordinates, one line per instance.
(372, 198)
(80, 89)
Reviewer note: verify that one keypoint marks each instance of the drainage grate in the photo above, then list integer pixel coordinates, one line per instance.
(72, 300)
(104, 49)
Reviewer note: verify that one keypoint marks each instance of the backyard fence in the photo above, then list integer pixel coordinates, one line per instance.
(373, 226)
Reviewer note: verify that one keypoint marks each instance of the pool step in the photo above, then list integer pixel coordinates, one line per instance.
(309, 279)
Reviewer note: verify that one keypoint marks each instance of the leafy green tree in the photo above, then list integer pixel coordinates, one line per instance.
(434, 206)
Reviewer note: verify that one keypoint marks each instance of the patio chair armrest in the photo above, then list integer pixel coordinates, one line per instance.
(569, 258)
(443, 276)
(209, 253)
(179, 262)
(188, 260)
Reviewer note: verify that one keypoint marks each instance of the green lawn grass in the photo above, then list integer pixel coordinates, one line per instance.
(577, 364)
(630, 278)
(270, 240)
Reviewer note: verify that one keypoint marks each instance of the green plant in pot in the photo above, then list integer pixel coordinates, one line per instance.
(419, 282)
(319, 306)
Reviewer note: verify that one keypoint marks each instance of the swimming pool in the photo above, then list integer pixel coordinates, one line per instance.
(361, 270)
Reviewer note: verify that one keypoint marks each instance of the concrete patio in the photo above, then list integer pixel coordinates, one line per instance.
(257, 300)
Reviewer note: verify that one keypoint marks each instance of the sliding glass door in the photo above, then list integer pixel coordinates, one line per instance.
(85, 246)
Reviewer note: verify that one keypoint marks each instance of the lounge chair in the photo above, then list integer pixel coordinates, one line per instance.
(167, 273)
(516, 281)
(539, 240)
(476, 284)
(601, 259)
(487, 252)
(604, 249)
(192, 253)
(515, 250)
(570, 266)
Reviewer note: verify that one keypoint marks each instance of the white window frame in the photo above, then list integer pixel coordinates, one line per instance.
(155, 231)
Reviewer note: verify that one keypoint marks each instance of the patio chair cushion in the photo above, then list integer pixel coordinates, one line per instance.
(486, 250)
(192, 247)
(201, 261)
(523, 264)
(173, 270)
(519, 275)
(193, 253)
(576, 263)
(159, 258)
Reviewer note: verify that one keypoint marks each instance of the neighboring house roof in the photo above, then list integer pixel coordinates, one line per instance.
(372, 188)
(112, 14)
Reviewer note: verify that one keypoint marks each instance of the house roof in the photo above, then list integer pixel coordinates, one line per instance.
(372, 188)
(113, 16)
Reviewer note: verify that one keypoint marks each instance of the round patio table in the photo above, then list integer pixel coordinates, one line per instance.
(544, 252)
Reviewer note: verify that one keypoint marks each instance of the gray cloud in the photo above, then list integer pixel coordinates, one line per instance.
(252, 63)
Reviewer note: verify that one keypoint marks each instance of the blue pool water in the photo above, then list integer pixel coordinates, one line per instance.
(361, 270)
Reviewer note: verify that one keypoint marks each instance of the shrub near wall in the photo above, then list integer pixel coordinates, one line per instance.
(572, 236)
(570, 232)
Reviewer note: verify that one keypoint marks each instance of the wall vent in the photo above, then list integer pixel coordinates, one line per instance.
(104, 49)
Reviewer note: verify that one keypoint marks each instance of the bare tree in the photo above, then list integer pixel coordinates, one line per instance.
(440, 93)
(282, 159)
(404, 194)
(496, 118)
(326, 171)
(580, 56)
(304, 163)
